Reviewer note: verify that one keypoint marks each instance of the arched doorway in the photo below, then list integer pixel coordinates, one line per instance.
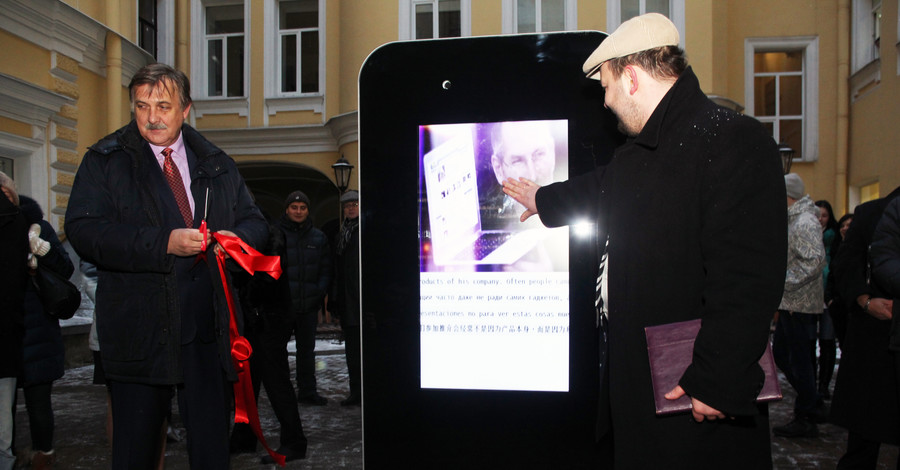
(271, 182)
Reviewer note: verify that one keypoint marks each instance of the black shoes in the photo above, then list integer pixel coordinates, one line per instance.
(352, 400)
(799, 427)
(313, 399)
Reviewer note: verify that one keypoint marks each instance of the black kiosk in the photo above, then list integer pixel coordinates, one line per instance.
(478, 336)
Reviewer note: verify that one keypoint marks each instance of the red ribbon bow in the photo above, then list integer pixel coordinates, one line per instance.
(245, 410)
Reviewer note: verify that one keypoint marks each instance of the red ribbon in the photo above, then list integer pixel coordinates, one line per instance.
(245, 410)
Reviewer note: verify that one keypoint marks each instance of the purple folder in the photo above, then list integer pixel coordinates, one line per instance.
(671, 348)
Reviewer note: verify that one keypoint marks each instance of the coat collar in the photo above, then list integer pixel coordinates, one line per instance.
(669, 109)
(128, 138)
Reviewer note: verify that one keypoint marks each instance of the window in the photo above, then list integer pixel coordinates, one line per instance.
(437, 19)
(782, 93)
(539, 16)
(618, 11)
(866, 32)
(428, 19)
(778, 95)
(147, 26)
(632, 8)
(224, 41)
(298, 42)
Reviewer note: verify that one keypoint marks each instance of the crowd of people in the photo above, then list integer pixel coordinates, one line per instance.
(145, 204)
(137, 212)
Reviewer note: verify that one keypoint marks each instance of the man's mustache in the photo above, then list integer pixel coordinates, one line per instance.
(155, 127)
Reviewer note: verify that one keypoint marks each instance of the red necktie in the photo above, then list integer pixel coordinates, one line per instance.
(173, 176)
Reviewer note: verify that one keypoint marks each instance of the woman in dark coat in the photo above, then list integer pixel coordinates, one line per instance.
(43, 353)
(865, 392)
(13, 276)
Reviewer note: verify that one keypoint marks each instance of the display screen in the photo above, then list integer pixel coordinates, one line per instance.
(494, 291)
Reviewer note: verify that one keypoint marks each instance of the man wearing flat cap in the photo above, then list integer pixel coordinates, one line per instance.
(691, 224)
(344, 299)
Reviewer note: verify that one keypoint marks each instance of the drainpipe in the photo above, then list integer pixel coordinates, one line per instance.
(113, 81)
(842, 144)
(182, 37)
(113, 68)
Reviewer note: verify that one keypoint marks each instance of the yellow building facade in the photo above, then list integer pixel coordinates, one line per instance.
(274, 82)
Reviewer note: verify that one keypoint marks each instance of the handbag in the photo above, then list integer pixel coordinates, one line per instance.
(58, 295)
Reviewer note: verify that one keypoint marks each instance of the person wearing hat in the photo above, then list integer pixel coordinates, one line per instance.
(795, 330)
(344, 300)
(290, 306)
(691, 224)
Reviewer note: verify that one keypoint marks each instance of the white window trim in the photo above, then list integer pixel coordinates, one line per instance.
(275, 101)
(862, 49)
(165, 30)
(203, 102)
(810, 46)
(406, 18)
(897, 46)
(676, 14)
(511, 14)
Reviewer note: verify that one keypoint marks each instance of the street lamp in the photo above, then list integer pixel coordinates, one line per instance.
(787, 156)
(342, 169)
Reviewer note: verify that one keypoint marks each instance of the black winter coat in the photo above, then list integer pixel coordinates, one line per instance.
(44, 352)
(694, 208)
(866, 388)
(120, 215)
(13, 278)
(305, 265)
(346, 285)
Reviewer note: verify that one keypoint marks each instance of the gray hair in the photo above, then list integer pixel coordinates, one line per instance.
(8, 183)
(163, 76)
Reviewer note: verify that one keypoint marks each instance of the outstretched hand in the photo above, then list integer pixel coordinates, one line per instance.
(523, 191)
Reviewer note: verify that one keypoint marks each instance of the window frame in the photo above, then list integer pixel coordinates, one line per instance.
(407, 18)
(275, 101)
(810, 78)
(200, 53)
(279, 63)
(863, 29)
(676, 14)
(511, 16)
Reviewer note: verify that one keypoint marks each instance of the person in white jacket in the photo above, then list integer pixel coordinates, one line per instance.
(801, 303)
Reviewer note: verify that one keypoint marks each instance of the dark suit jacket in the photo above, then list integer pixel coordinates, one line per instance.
(149, 303)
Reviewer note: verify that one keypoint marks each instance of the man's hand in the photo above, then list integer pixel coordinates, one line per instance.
(218, 248)
(523, 191)
(184, 242)
(878, 307)
(700, 410)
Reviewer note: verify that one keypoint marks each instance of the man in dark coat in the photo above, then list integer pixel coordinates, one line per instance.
(14, 276)
(139, 196)
(345, 296)
(691, 210)
(289, 306)
(865, 391)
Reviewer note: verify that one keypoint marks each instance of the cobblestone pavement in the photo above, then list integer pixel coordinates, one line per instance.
(334, 432)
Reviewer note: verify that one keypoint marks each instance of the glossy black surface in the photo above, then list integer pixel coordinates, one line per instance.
(487, 79)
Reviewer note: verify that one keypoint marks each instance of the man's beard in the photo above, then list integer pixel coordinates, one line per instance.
(629, 119)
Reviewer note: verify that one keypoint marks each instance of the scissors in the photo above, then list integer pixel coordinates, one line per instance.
(203, 229)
